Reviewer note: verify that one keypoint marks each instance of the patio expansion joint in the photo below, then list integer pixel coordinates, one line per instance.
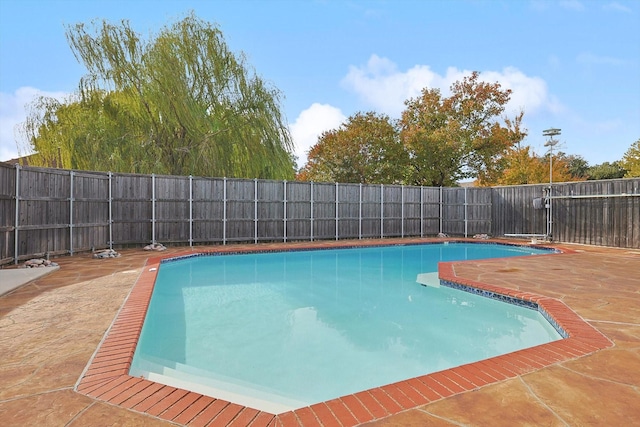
(542, 402)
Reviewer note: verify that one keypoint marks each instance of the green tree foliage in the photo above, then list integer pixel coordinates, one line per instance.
(180, 103)
(606, 170)
(365, 149)
(631, 160)
(458, 137)
(577, 165)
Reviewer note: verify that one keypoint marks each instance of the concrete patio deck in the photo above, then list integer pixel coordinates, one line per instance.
(51, 327)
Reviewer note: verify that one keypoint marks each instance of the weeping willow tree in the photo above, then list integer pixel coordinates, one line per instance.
(180, 103)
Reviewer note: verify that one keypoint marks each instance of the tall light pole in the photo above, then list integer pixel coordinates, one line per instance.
(550, 133)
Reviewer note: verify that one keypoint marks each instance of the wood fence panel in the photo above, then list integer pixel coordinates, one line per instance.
(349, 211)
(392, 210)
(324, 211)
(171, 209)
(271, 210)
(430, 211)
(90, 211)
(594, 212)
(298, 211)
(453, 211)
(241, 206)
(371, 213)
(44, 212)
(412, 211)
(208, 210)
(7, 212)
(131, 209)
(513, 211)
(478, 211)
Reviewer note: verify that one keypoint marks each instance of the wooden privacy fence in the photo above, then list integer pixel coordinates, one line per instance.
(54, 211)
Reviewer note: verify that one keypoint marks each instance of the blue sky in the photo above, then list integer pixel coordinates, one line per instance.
(571, 64)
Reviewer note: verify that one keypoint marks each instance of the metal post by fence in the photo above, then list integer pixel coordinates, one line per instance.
(71, 174)
(224, 210)
(255, 210)
(153, 208)
(381, 211)
(360, 211)
(17, 219)
(190, 211)
(441, 209)
(465, 212)
(421, 213)
(402, 211)
(110, 214)
(311, 219)
(284, 210)
(337, 216)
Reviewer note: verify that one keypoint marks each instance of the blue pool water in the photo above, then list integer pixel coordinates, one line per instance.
(278, 331)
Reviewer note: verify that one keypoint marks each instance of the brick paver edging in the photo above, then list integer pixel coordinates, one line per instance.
(106, 377)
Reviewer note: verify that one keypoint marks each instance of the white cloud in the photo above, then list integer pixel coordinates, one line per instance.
(13, 111)
(309, 126)
(384, 88)
(616, 7)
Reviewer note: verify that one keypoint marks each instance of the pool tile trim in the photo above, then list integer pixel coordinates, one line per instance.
(106, 377)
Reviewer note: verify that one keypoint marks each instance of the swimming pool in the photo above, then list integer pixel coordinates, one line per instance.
(322, 323)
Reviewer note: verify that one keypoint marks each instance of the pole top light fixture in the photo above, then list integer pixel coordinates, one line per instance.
(551, 133)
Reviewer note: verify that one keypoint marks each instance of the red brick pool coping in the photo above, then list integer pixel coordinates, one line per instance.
(106, 377)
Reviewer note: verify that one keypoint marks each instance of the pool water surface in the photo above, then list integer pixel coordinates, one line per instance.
(283, 330)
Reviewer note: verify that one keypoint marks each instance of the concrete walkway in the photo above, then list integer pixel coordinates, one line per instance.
(51, 327)
(13, 278)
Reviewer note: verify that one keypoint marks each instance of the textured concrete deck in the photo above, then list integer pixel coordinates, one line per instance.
(50, 328)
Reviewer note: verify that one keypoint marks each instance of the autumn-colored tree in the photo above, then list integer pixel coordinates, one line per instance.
(180, 103)
(458, 137)
(364, 149)
(631, 160)
(523, 166)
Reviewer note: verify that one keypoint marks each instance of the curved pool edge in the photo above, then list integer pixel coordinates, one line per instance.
(106, 377)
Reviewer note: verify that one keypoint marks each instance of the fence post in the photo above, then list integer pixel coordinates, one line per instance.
(71, 174)
(284, 210)
(255, 210)
(153, 208)
(402, 211)
(110, 213)
(465, 212)
(441, 203)
(382, 211)
(311, 199)
(337, 216)
(360, 212)
(190, 211)
(224, 210)
(421, 212)
(17, 218)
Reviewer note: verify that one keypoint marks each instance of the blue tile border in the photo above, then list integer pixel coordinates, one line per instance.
(507, 299)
